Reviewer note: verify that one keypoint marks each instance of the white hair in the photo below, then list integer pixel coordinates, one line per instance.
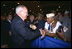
(19, 8)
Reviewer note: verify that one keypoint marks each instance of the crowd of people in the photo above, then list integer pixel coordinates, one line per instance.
(20, 30)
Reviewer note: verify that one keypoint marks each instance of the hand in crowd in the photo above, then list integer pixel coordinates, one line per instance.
(42, 32)
(46, 30)
(33, 26)
(65, 28)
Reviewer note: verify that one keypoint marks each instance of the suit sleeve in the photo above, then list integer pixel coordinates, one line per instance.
(23, 31)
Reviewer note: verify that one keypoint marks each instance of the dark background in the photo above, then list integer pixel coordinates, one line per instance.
(35, 6)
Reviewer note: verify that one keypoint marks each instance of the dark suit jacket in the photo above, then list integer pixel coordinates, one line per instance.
(21, 32)
(41, 24)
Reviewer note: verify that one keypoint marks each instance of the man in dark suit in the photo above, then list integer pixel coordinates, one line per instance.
(21, 35)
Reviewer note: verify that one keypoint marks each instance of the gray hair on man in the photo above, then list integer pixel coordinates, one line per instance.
(19, 8)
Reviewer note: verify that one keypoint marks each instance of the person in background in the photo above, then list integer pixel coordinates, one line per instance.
(59, 16)
(67, 26)
(9, 18)
(31, 21)
(41, 21)
(4, 32)
(66, 23)
(31, 18)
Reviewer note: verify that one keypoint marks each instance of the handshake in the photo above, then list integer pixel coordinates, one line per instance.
(32, 26)
(43, 33)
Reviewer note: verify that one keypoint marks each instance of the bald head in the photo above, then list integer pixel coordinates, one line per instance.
(22, 11)
(20, 8)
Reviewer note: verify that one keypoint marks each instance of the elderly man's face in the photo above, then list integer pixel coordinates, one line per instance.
(24, 12)
(49, 20)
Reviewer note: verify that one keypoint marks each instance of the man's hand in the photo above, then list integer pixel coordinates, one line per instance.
(65, 28)
(42, 32)
(46, 30)
(33, 26)
(49, 33)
